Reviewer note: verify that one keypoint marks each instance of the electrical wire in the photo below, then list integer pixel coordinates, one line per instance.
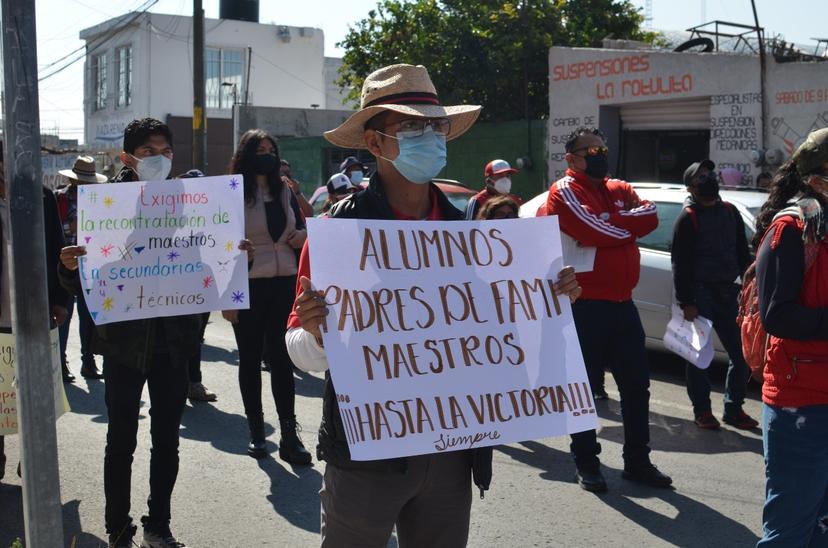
(90, 49)
(85, 45)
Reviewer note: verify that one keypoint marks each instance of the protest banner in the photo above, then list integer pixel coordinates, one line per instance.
(446, 336)
(8, 382)
(162, 248)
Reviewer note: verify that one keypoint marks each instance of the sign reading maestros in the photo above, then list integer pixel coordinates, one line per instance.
(445, 336)
(162, 248)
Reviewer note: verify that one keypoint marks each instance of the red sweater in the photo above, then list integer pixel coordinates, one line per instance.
(796, 372)
(608, 217)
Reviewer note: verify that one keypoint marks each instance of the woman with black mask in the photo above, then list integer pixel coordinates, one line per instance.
(276, 227)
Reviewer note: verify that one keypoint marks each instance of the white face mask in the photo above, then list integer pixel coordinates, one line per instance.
(503, 186)
(153, 168)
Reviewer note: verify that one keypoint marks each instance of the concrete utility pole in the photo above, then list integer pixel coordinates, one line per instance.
(199, 114)
(762, 77)
(26, 256)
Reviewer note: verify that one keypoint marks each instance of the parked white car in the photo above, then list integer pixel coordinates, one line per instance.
(654, 294)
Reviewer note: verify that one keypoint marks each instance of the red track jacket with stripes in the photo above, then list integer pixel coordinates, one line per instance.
(608, 217)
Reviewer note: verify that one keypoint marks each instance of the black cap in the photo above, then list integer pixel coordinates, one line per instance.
(694, 168)
(350, 161)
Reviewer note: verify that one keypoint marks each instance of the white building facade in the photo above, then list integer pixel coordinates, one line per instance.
(662, 111)
(140, 65)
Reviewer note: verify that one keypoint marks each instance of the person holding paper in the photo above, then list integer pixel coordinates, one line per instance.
(709, 253)
(607, 214)
(152, 351)
(498, 178)
(428, 497)
(275, 225)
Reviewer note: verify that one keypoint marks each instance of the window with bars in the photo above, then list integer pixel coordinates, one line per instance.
(222, 66)
(99, 70)
(123, 57)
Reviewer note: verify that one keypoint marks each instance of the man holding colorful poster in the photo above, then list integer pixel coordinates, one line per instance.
(443, 339)
(152, 256)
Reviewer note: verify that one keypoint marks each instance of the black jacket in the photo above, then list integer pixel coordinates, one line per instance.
(709, 246)
(132, 343)
(371, 203)
(54, 243)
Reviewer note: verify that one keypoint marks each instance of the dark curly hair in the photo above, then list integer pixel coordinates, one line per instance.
(572, 139)
(138, 132)
(242, 162)
(786, 185)
(486, 212)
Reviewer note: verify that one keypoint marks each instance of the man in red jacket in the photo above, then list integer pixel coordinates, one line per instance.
(606, 214)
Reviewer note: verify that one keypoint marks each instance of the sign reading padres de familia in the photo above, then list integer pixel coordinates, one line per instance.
(443, 336)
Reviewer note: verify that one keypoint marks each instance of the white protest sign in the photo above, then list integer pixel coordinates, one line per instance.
(443, 336)
(8, 382)
(162, 248)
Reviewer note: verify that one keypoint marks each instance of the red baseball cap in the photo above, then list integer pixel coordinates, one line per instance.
(496, 167)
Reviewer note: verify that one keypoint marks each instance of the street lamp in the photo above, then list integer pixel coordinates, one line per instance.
(235, 92)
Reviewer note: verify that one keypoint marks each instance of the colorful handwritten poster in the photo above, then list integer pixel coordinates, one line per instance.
(446, 336)
(8, 382)
(162, 248)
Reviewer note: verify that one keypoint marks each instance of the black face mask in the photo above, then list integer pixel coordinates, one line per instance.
(597, 166)
(264, 164)
(708, 186)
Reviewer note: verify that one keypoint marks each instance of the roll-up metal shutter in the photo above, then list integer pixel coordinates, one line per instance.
(666, 115)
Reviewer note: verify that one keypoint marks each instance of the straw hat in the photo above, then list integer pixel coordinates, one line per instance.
(84, 171)
(406, 89)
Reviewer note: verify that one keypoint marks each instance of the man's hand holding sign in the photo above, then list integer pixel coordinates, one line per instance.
(445, 336)
(161, 248)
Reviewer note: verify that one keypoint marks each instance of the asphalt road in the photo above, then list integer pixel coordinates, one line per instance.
(224, 498)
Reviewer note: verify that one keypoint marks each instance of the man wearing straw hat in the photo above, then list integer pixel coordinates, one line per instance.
(82, 172)
(428, 497)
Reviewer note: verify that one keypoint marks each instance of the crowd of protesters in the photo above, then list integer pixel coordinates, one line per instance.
(427, 498)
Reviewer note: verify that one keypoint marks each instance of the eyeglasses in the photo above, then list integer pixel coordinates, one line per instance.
(414, 127)
(594, 151)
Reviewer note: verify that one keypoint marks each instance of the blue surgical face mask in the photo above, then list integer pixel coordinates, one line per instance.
(422, 157)
(356, 177)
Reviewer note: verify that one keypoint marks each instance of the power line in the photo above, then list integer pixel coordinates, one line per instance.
(85, 45)
(92, 48)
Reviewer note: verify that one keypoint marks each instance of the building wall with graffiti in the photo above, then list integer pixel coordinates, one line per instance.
(595, 86)
(798, 101)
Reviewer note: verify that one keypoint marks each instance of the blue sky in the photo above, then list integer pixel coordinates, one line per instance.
(60, 21)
